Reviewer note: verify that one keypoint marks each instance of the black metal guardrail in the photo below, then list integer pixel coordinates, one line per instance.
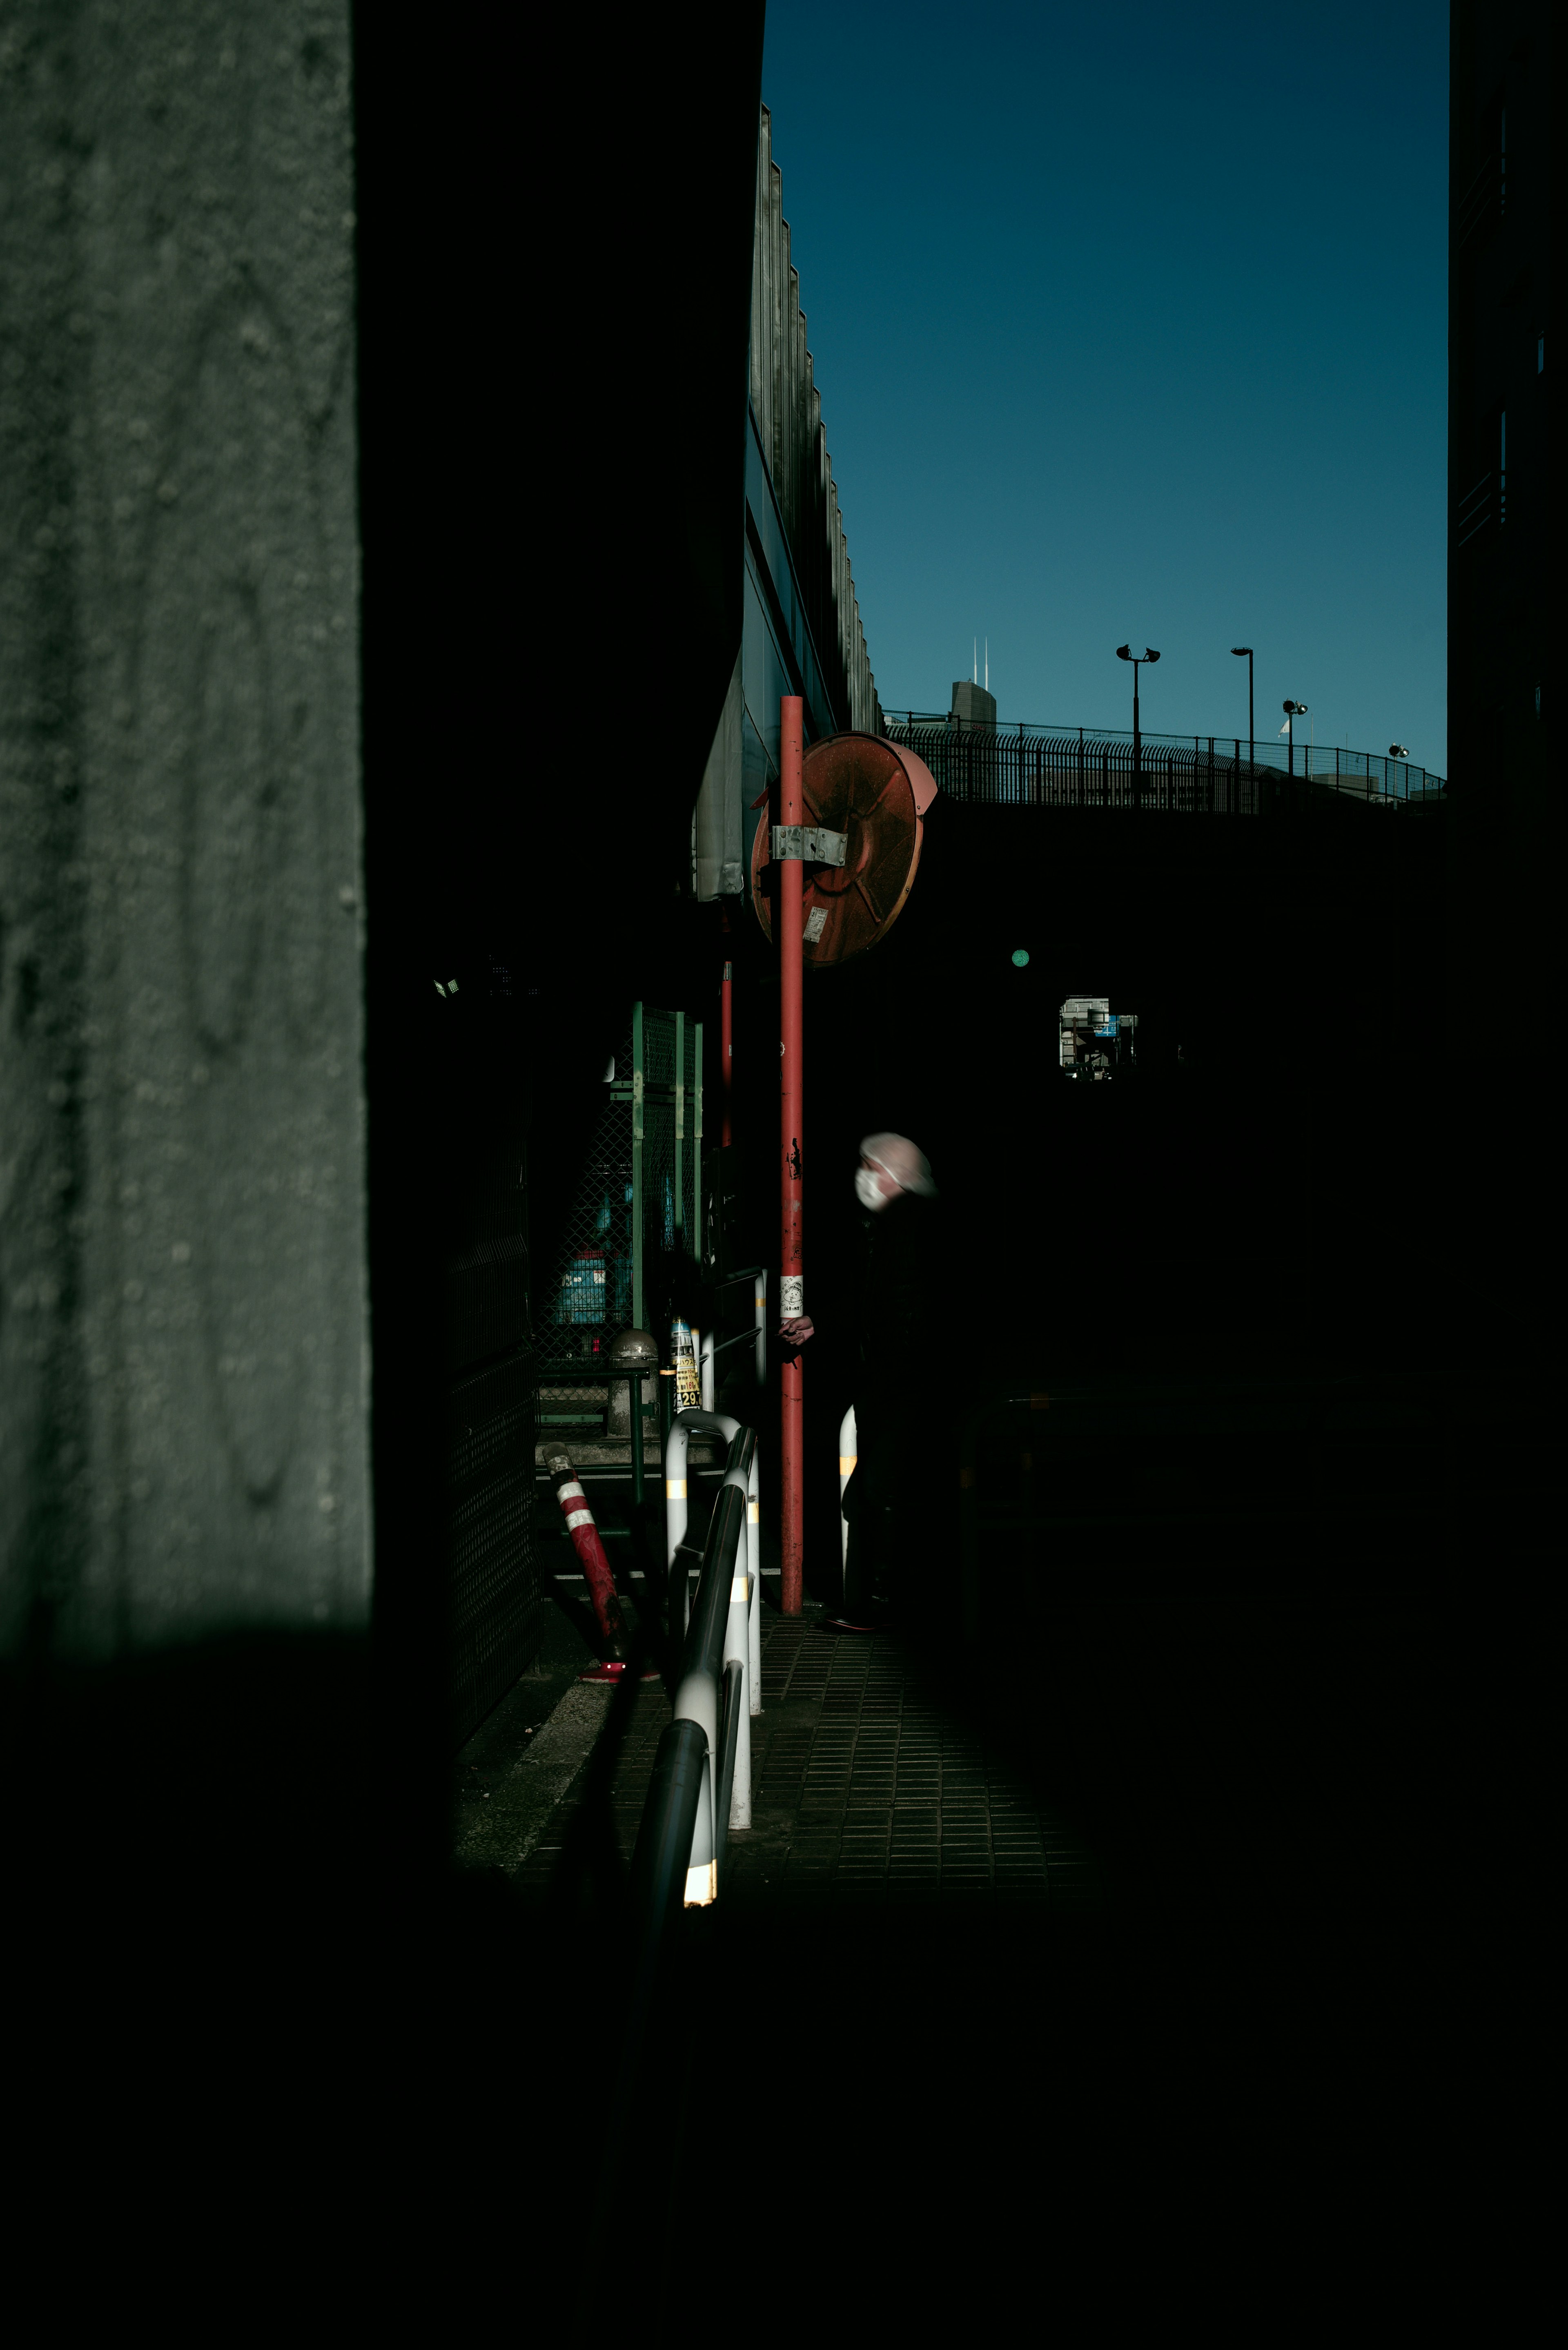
(1206, 775)
(684, 1829)
(694, 1766)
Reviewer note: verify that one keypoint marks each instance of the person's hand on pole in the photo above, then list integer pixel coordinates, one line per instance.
(796, 1328)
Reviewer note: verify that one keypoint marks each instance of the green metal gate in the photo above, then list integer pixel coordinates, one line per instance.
(632, 1238)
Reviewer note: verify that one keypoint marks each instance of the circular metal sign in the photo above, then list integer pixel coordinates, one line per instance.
(873, 792)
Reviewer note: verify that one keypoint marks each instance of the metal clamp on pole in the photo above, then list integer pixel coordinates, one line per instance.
(811, 843)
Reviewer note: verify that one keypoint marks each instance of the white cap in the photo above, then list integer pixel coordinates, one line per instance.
(897, 1156)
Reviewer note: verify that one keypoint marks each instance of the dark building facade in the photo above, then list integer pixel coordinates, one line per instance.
(973, 705)
(1505, 636)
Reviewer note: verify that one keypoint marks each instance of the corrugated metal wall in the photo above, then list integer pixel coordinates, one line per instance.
(788, 409)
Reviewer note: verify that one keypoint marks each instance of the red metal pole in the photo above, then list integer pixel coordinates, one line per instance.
(791, 1285)
(726, 1039)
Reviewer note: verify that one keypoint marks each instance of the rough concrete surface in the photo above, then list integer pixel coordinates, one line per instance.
(525, 1756)
(182, 1326)
(503, 1813)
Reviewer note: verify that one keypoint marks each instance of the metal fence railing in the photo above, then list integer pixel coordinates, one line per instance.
(1206, 775)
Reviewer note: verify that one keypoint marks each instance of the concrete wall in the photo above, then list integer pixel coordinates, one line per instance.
(183, 1331)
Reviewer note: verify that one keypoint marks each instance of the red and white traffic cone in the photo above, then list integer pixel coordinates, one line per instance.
(589, 1546)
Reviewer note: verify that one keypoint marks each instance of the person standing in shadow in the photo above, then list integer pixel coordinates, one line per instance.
(897, 1287)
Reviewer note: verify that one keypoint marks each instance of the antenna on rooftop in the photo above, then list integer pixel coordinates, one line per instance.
(987, 664)
(975, 672)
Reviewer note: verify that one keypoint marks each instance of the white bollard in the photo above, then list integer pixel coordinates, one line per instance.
(754, 1567)
(739, 1644)
(708, 1369)
(675, 1506)
(847, 1456)
(737, 1650)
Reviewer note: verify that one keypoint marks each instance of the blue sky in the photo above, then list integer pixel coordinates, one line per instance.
(1131, 323)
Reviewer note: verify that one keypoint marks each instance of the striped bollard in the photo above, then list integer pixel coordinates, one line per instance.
(596, 1574)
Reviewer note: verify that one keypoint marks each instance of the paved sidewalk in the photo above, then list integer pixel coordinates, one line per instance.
(867, 1790)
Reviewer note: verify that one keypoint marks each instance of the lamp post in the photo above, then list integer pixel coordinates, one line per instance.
(1294, 710)
(1126, 653)
(1245, 652)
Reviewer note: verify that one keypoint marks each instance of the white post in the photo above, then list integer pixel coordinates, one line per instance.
(675, 1505)
(754, 1567)
(847, 1456)
(737, 1650)
(706, 1359)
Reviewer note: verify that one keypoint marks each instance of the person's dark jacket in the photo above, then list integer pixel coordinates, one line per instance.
(898, 1298)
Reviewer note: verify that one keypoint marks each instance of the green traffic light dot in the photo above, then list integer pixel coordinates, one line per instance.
(1020, 957)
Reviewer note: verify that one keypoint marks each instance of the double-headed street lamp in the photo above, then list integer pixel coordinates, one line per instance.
(1244, 653)
(1294, 710)
(1126, 653)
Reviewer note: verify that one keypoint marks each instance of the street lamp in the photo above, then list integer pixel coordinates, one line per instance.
(1126, 653)
(1294, 710)
(1398, 750)
(1244, 653)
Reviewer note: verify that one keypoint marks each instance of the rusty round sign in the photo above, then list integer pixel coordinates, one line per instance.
(875, 793)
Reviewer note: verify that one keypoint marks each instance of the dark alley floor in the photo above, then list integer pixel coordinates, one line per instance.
(1156, 1886)
(865, 1787)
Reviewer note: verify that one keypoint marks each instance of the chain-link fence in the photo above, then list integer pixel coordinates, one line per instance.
(624, 1258)
(587, 1295)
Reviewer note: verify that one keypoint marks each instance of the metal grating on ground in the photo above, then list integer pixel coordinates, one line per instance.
(865, 1789)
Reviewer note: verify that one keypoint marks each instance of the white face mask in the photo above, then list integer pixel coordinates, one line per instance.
(868, 1189)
